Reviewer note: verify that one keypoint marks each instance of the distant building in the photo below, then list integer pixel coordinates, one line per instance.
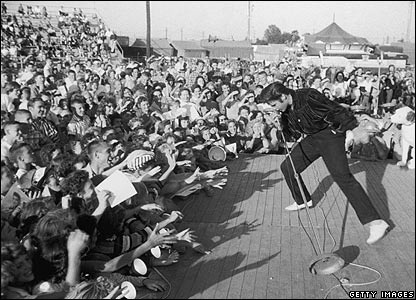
(124, 41)
(409, 50)
(189, 49)
(228, 49)
(162, 47)
(269, 53)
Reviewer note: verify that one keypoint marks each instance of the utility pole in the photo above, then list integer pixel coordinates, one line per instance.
(148, 40)
(166, 33)
(181, 34)
(203, 35)
(409, 21)
(249, 25)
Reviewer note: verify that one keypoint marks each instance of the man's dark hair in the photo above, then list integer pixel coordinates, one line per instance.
(274, 91)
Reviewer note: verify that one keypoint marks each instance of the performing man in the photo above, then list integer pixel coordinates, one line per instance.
(324, 124)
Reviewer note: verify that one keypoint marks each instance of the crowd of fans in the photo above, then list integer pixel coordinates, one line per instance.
(71, 117)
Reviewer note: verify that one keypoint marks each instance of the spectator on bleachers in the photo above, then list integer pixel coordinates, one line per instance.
(3, 8)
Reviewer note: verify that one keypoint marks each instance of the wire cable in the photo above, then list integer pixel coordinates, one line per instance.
(303, 196)
(166, 280)
(342, 285)
(326, 225)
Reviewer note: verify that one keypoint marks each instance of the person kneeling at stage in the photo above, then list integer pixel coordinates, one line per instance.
(323, 124)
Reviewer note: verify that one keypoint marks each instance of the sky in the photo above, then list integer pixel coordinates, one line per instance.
(378, 21)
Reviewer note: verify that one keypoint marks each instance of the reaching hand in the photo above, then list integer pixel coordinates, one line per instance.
(154, 171)
(198, 147)
(184, 163)
(217, 183)
(186, 235)
(195, 176)
(157, 239)
(175, 215)
(104, 197)
(17, 210)
(118, 293)
(77, 242)
(152, 206)
(171, 159)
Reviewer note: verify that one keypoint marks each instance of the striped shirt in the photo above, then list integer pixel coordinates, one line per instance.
(47, 128)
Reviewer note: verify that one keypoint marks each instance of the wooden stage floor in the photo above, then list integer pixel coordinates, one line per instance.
(262, 251)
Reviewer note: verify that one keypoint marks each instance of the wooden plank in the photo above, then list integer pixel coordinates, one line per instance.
(285, 286)
(265, 254)
(297, 281)
(274, 263)
(191, 264)
(280, 216)
(236, 283)
(231, 191)
(314, 286)
(268, 260)
(250, 269)
(236, 256)
(271, 194)
(206, 276)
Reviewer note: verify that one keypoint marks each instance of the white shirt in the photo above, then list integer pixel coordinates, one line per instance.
(5, 148)
(6, 104)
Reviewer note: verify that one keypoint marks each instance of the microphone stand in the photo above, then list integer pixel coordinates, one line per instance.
(326, 263)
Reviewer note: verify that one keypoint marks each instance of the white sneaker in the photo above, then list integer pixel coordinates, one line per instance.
(296, 206)
(377, 230)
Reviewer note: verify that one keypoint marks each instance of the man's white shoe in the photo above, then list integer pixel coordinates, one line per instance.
(377, 230)
(295, 206)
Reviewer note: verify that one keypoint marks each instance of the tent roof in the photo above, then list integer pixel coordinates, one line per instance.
(335, 34)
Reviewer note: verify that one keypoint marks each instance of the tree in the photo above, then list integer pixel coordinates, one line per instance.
(286, 37)
(260, 42)
(273, 34)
